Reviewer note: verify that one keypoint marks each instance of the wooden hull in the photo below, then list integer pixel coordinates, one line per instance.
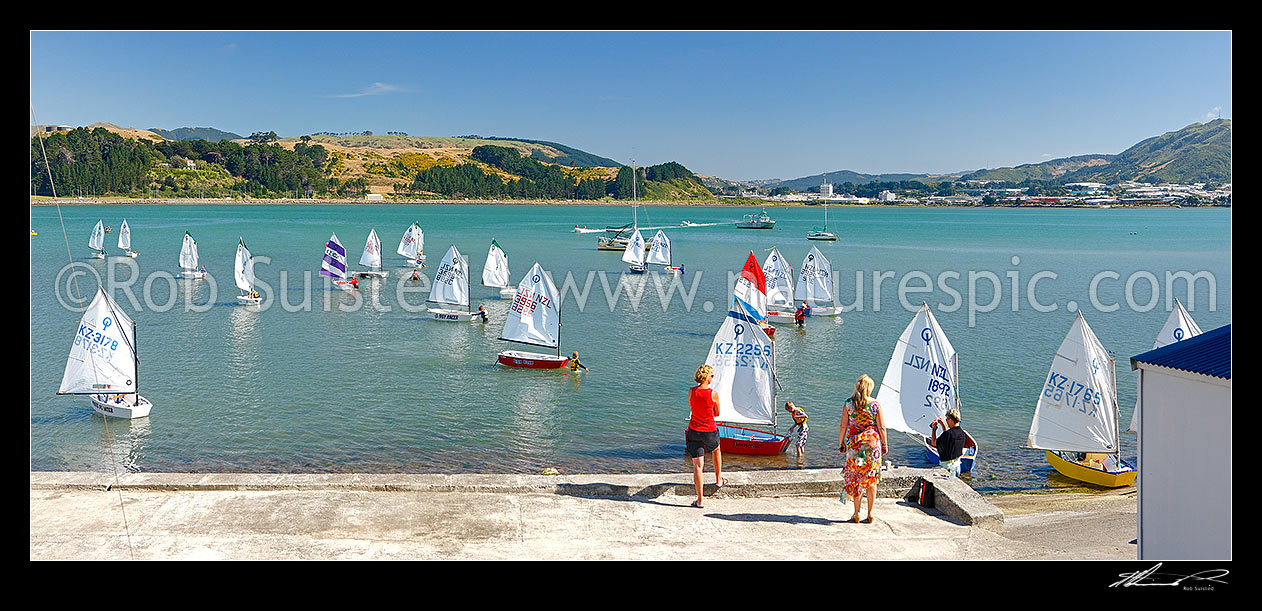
(131, 406)
(967, 460)
(740, 440)
(1092, 474)
(532, 360)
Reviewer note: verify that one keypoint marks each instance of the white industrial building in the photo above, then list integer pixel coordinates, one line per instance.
(1184, 426)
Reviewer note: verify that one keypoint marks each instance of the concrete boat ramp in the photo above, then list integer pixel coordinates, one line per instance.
(789, 515)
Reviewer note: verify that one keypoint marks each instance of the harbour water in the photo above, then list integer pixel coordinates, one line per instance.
(323, 381)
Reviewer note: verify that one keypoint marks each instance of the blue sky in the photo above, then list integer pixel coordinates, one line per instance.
(739, 105)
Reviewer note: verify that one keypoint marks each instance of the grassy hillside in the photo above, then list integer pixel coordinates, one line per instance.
(1200, 152)
(208, 134)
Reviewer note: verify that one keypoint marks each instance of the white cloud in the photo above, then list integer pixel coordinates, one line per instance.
(373, 89)
(1213, 113)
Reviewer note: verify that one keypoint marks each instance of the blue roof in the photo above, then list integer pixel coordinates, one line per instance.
(1207, 354)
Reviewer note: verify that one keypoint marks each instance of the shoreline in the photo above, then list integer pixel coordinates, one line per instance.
(614, 203)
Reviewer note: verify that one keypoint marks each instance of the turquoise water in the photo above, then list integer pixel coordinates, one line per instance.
(337, 388)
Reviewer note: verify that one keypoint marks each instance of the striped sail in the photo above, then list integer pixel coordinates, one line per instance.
(334, 264)
(751, 290)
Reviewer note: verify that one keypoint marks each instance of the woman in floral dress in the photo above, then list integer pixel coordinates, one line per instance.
(863, 441)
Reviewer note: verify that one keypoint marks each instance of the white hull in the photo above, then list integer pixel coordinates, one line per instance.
(825, 310)
(508, 292)
(131, 406)
(372, 274)
(345, 285)
(822, 236)
(192, 274)
(97, 255)
(784, 318)
(452, 315)
(246, 300)
(131, 253)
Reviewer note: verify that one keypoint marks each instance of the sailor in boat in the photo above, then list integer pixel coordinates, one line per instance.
(482, 313)
(202, 270)
(574, 364)
(354, 282)
(702, 434)
(415, 276)
(799, 423)
(950, 443)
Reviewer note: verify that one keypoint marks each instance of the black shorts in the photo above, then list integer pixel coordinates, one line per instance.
(698, 443)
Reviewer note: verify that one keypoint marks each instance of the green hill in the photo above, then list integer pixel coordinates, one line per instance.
(1200, 152)
(208, 134)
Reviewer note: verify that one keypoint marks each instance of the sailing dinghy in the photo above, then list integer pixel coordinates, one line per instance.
(744, 376)
(334, 264)
(1075, 418)
(103, 363)
(243, 274)
(815, 284)
(371, 258)
(534, 319)
(779, 287)
(412, 246)
(1179, 326)
(495, 272)
(660, 253)
(451, 287)
(97, 241)
(921, 383)
(634, 253)
(188, 259)
(124, 240)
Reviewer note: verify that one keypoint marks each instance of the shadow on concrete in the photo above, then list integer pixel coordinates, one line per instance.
(934, 513)
(771, 517)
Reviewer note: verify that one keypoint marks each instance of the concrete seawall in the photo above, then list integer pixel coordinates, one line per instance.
(953, 497)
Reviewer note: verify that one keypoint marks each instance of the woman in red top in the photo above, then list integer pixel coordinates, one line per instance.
(703, 434)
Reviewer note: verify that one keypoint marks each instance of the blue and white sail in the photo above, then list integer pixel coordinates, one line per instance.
(1077, 406)
(659, 250)
(815, 279)
(634, 253)
(779, 275)
(334, 263)
(741, 355)
(535, 314)
(919, 384)
(103, 356)
(1179, 326)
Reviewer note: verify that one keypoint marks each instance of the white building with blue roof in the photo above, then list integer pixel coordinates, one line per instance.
(1184, 446)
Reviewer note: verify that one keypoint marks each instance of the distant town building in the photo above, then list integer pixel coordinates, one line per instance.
(825, 191)
(373, 196)
(886, 196)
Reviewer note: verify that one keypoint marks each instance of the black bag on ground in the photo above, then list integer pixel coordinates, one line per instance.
(925, 495)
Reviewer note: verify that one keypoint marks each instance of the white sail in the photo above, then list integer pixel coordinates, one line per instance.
(535, 315)
(495, 272)
(97, 241)
(451, 280)
(1077, 407)
(243, 271)
(103, 355)
(124, 236)
(634, 253)
(659, 251)
(334, 263)
(919, 384)
(411, 243)
(779, 280)
(815, 279)
(1179, 326)
(741, 356)
(188, 253)
(372, 251)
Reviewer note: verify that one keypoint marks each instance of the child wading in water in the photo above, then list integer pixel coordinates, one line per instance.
(799, 423)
